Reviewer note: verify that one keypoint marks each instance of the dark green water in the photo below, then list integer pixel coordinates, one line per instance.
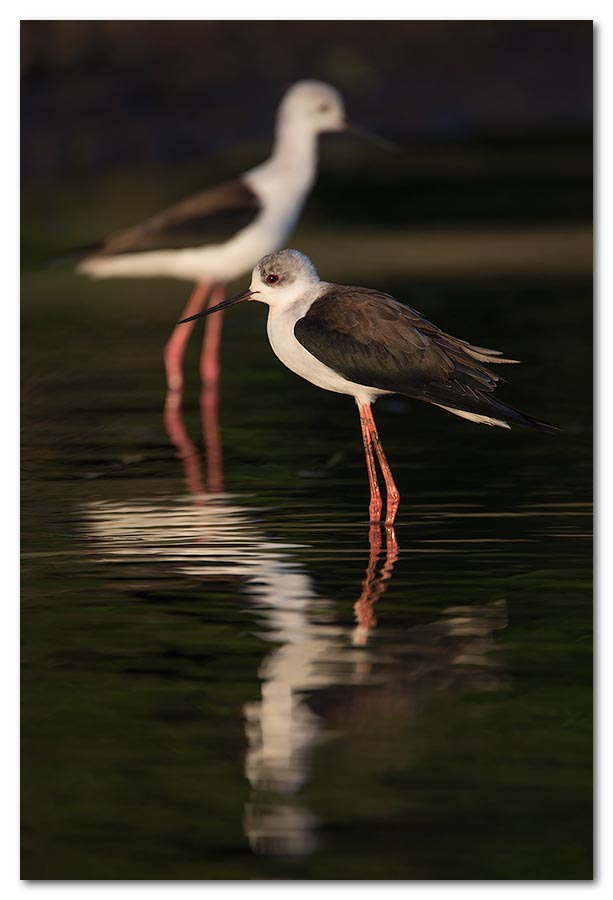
(238, 684)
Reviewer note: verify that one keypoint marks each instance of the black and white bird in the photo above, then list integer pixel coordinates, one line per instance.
(362, 342)
(219, 234)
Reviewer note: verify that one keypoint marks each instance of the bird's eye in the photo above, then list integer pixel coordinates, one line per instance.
(324, 108)
(272, 279)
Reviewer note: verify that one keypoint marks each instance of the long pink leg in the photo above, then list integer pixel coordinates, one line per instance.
(393, 495)
(175, 347)
(209, 360)
(376, 504)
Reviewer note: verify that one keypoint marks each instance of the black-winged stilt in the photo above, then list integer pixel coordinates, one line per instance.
(219, 234)
(362, 342)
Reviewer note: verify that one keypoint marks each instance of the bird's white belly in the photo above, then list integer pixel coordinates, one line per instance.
(292, 354)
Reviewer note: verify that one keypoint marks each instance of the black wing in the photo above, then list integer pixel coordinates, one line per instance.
(371, 339)
(210, 217)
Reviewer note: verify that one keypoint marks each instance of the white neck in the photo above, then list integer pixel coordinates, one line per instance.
(292, 163)
(295, 145)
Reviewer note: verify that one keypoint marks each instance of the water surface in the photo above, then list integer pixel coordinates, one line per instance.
(232, 676)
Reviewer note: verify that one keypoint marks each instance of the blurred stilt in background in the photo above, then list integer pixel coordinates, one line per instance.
(220, 233)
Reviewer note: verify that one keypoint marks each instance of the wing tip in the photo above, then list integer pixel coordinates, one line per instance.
(545, 427)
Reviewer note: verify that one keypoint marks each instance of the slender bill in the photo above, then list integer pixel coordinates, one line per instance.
(239, 298)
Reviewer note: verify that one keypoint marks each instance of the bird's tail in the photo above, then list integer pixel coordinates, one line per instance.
(487, 411)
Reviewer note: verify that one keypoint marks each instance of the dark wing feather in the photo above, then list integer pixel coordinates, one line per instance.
(372, 339)
(210, 217)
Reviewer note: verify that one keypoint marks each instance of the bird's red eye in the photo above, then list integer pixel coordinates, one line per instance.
(272, 279)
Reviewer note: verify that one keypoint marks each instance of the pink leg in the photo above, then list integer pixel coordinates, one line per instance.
(376, 504)
(209, 360)
(393, 495)
(175, 348)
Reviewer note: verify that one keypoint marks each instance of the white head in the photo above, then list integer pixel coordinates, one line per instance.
(281, 277)
(277, 279)
(312, 106)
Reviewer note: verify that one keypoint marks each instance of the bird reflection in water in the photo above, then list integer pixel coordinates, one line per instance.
(321, 677)
(280, 727)
(316, 659)
(282, 730)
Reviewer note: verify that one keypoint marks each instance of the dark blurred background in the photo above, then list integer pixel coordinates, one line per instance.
(493, 119)
(102, 94)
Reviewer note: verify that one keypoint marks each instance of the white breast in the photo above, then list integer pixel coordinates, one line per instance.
(280, 327)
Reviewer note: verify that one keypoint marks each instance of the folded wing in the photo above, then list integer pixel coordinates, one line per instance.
(372, 339)
(211, 217)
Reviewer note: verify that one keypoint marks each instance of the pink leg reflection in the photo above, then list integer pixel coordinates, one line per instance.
(187, 451)
(374, 584)
(209, 405)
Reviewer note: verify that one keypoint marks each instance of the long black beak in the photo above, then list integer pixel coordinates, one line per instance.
(360, 132)
(246, 295)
